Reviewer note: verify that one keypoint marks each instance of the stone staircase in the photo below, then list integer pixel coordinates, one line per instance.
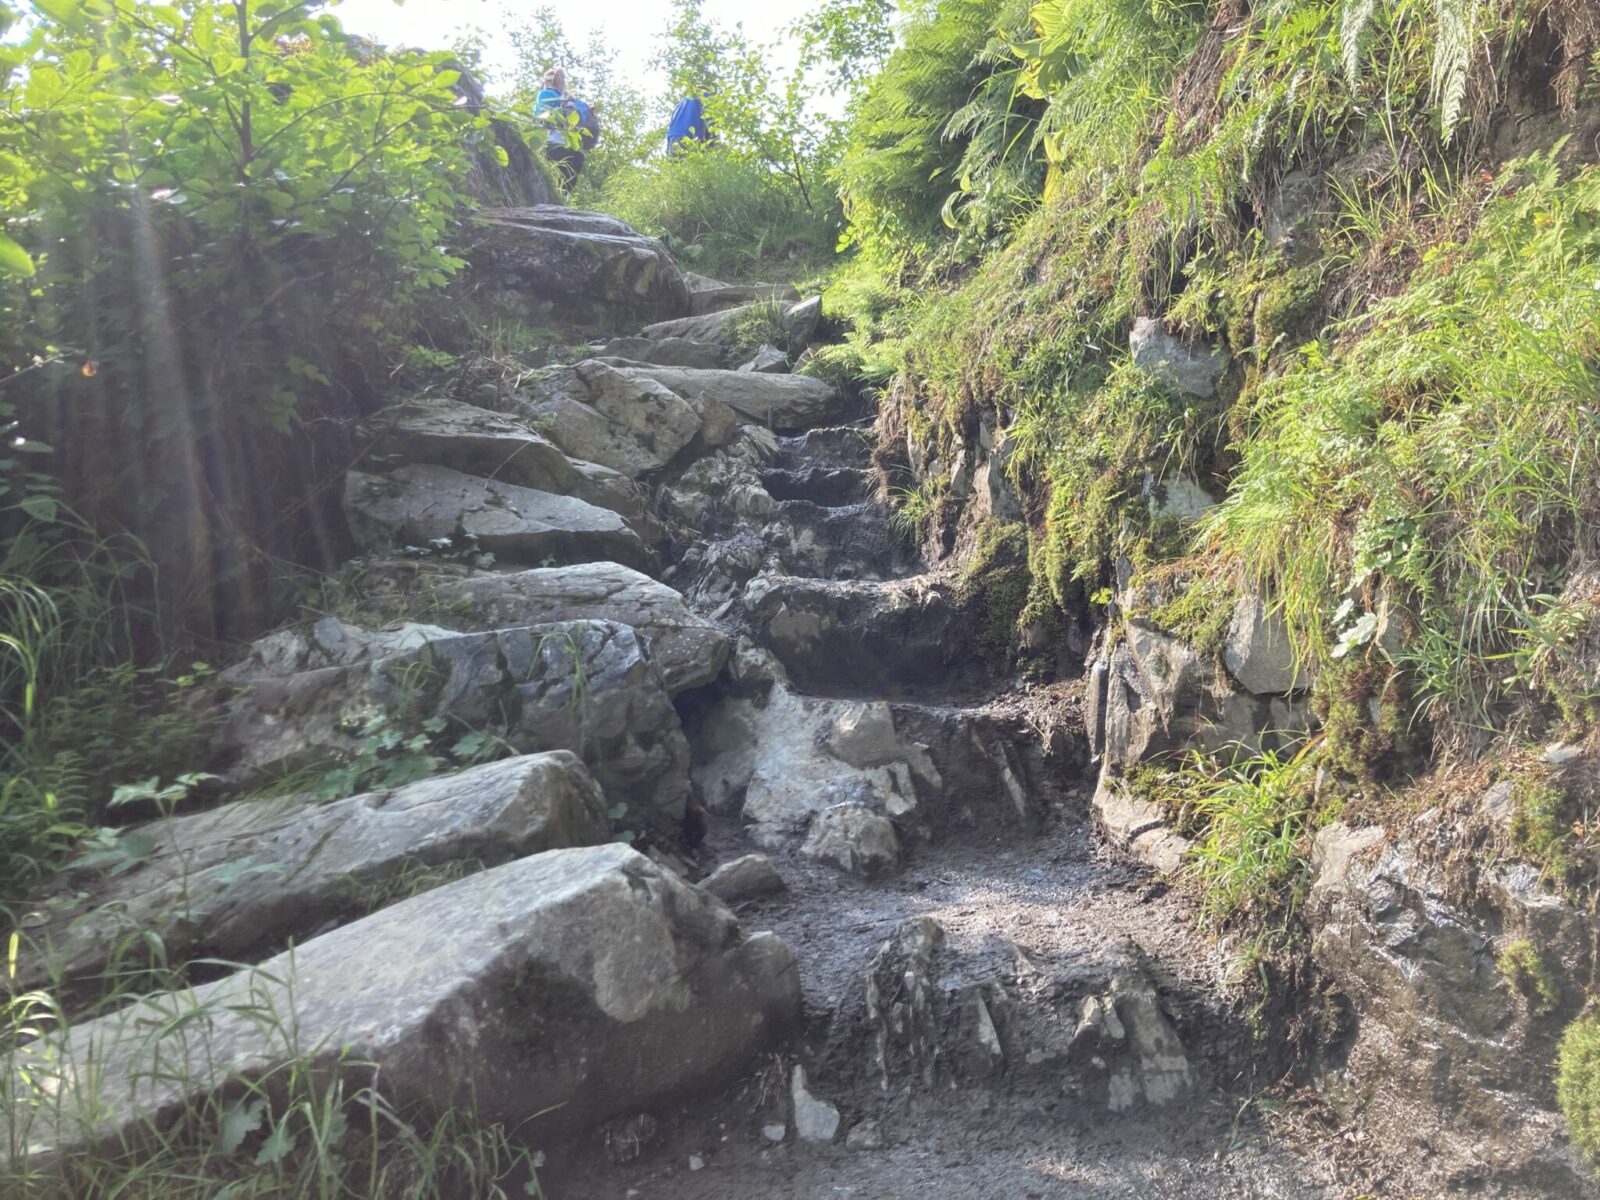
(670, 593)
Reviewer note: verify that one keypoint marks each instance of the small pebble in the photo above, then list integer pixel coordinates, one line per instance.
(696, 1163)
(775, 1133)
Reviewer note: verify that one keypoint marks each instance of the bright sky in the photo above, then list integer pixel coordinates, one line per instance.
(631, 27)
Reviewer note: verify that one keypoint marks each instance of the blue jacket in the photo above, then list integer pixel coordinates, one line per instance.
(689, 123)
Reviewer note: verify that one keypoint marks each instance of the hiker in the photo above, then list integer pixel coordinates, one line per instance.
(567, 116)
(689, 123)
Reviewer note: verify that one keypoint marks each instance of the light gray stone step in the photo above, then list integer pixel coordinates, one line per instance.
(499, 446)
(248, 877)
(421, 505)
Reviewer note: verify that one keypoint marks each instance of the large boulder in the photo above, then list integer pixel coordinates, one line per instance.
(303, 701)
(689, 650)
(571, 987)
(492, 445)
(423, 504)
(622, 420)
(250, 876)
(583, 264)
(782, 402)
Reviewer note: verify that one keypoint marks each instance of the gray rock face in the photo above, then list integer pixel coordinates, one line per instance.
(749, 878)
(625, 421)
(780, 401)
(417, 505)
(582, 984)
(1258, 653)
(491, 445)
(855, 839)
(689, 650)
(666, 352)
(254, 874)
(1192, 370)
(587, 264)
(585, 686)
(1444, 1054)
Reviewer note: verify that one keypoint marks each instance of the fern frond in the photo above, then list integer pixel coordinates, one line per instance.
(1455, 25)
(1355, 21)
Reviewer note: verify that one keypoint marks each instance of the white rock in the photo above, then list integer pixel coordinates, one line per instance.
(814, 1120)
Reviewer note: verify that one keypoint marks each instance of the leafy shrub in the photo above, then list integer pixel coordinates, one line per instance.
(234, 213)
(724, 213)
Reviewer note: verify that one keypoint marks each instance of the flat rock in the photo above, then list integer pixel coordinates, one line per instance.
(580, 984)
(689, 650)
(583, 263)
(801, 321)
(493, 445)
(622, 420)
(1257, 651)
(254, 874)
(709, 296)
(814, 1120)
(418, 505)
(666, 352)
(711, 326)
(752, 877)
(780, 401)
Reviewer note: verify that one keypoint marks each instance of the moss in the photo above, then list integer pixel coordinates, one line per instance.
(1541, 825)
(995, 586)
(1526, 972)
(1365, 717)
(1578, 1084)
(1200, 613)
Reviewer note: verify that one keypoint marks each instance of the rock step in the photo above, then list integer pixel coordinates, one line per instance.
(432, 506)
(244, 879)
(827, 445)
(831, 487)
(577, 984)
(721, 296)
(852, 541)
(870, 638)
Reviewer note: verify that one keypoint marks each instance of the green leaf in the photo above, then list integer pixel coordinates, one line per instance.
(278, 1146)
(239, 1121)
(14, 259)
(41, 508)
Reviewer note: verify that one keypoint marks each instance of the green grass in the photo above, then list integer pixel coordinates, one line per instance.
(726, 215)
(317, 1125)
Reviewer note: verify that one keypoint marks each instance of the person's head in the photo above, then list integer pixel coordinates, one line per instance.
(555, 79)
